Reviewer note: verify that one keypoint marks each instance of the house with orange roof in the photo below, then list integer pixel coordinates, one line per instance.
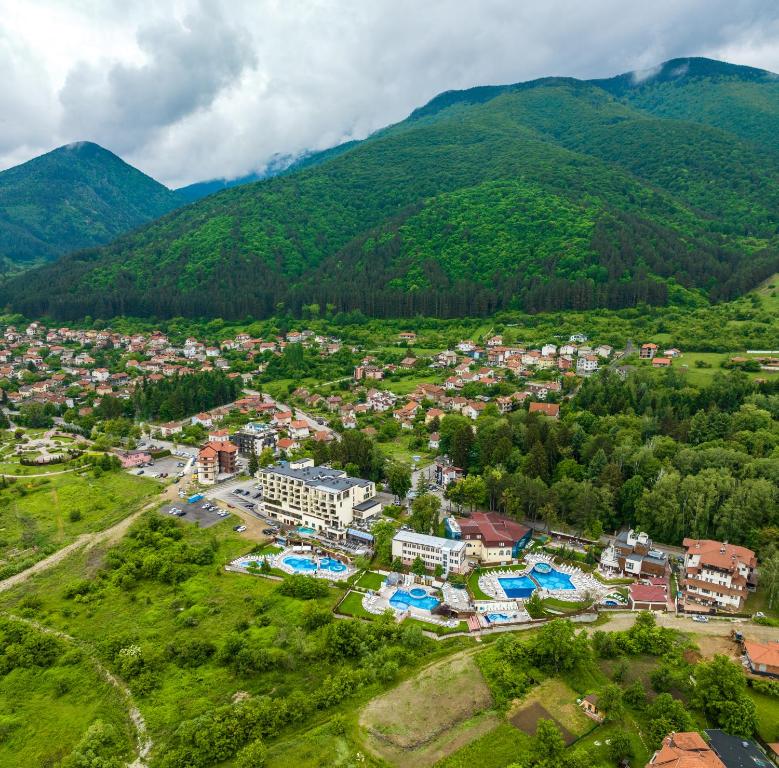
(717, 574)
(647, 351)
(685, 750)
(763, 658)
(550, 410)
(214, 459)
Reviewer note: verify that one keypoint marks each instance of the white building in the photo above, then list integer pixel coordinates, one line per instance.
(717, 574)
(328, 500)
(433, 551)
(586, 365)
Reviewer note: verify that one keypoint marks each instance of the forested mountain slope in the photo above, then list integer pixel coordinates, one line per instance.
(545, 195)
(77, 196)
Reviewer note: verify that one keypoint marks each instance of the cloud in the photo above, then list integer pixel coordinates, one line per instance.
(196, 89)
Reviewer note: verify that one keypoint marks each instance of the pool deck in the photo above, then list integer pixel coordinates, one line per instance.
(379, 602)
(583, 583)
(277, 562)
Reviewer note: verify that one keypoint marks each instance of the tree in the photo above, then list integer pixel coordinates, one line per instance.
(383, 531)
(399, 479)
(621, 746)
(418, 567)
(610, 702)
(558, 647)
(721, 693)
(548, 746)
(424, 513)
(254, 464)
(769, 578)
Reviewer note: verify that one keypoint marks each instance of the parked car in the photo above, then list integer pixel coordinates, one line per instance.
(239, 528)
(139, 472)
(702, 619)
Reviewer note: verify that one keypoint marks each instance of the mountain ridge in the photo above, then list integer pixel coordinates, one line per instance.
(394, 224)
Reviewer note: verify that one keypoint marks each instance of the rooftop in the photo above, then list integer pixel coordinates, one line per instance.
(412, 537)
(319, 477)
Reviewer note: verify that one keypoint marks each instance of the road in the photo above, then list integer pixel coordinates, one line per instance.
(714, 627)
(313, 425)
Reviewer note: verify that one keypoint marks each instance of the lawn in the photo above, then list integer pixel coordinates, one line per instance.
(767, 715)
(495, 749)
(40, 516)
(401, 727)
(370, 580)
(758, 601)
(352, 606)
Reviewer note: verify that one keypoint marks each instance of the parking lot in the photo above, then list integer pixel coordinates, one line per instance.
(195, 513)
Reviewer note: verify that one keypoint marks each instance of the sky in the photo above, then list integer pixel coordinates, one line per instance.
(189, 90)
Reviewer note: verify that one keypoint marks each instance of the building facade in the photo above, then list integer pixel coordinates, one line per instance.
(300, 493)
(489, 538)
(717, 574)
(432, 550)
(214, 459)
(632, 553)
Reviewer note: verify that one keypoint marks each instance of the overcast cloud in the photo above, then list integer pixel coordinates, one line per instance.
(189, 90)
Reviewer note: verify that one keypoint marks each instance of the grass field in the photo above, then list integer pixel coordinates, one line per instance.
(45, 712)
(767, 715)
(370, 580)
(402, 728)
(39, 516)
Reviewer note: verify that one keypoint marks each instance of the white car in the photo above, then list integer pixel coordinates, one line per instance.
(702, 619)
(240, 529)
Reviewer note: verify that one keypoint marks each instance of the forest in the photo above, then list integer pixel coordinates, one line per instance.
(651, 452)
(553, 195)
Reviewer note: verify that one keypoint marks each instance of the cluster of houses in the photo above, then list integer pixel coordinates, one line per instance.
(63, 361)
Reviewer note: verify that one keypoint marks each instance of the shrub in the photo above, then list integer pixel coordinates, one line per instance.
(303, 587)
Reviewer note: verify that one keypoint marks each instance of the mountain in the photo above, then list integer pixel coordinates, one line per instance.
(545, 195)
(77, 196)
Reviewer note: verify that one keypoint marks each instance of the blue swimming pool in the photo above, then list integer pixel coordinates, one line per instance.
(304, 529)
(548, 578)
(517, 586)
(250, 563)
(497, 618)
(301, 564)
(403, 600)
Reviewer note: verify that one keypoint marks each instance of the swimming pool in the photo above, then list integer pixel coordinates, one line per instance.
(497, 618)
(308, 565)
(517, 586)
(402, 600)
(306, 530)
(550, 579)
(250, 563)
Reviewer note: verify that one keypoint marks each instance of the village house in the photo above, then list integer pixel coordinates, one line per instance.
(589, 705)
(298, 429)
(586, 365)
(550, 410)
(647, 351)
(648, 597)
(762, 657)
(203, 419)
(632, 554)
(434, 441)
(489, 537)
(661, 362)
(685, 750)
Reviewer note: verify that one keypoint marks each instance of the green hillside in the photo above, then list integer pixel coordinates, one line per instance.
(546, 195)
(77, 196)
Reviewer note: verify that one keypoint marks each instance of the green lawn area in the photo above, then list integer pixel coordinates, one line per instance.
(370, 580)
(758, 601)
(767, 715)
(496, 749)
(462, 626)
(352, 606)
(407, 384)
(39, 516)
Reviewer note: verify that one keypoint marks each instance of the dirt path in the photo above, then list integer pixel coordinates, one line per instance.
(714, 627)
(33, 475)
(143, 742)
(110, 535)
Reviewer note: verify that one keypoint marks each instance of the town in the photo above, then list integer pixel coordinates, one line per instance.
(356, 468)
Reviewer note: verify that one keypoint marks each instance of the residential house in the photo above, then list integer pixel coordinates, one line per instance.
(762, 657)
(298, 429)
(204, 419)
(672, 352)
(661, 362)
(632, 554)
(548, 350)
(473, 409)
(685, 750)
(586, 365)
(647, 351)
(550, 410)
(434, 441)
(736, 751)
(589, 705)
(215, 459)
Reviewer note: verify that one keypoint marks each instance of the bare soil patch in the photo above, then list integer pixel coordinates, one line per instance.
(526, 719)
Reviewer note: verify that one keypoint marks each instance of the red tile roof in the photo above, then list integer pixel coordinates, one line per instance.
(492, 528)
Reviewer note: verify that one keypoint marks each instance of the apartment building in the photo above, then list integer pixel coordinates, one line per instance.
(432, 550)
(717, 574)
(300, 493)
(214, 459)
(254, 438)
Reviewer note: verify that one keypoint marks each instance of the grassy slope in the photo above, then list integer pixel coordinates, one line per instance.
(35, 513)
